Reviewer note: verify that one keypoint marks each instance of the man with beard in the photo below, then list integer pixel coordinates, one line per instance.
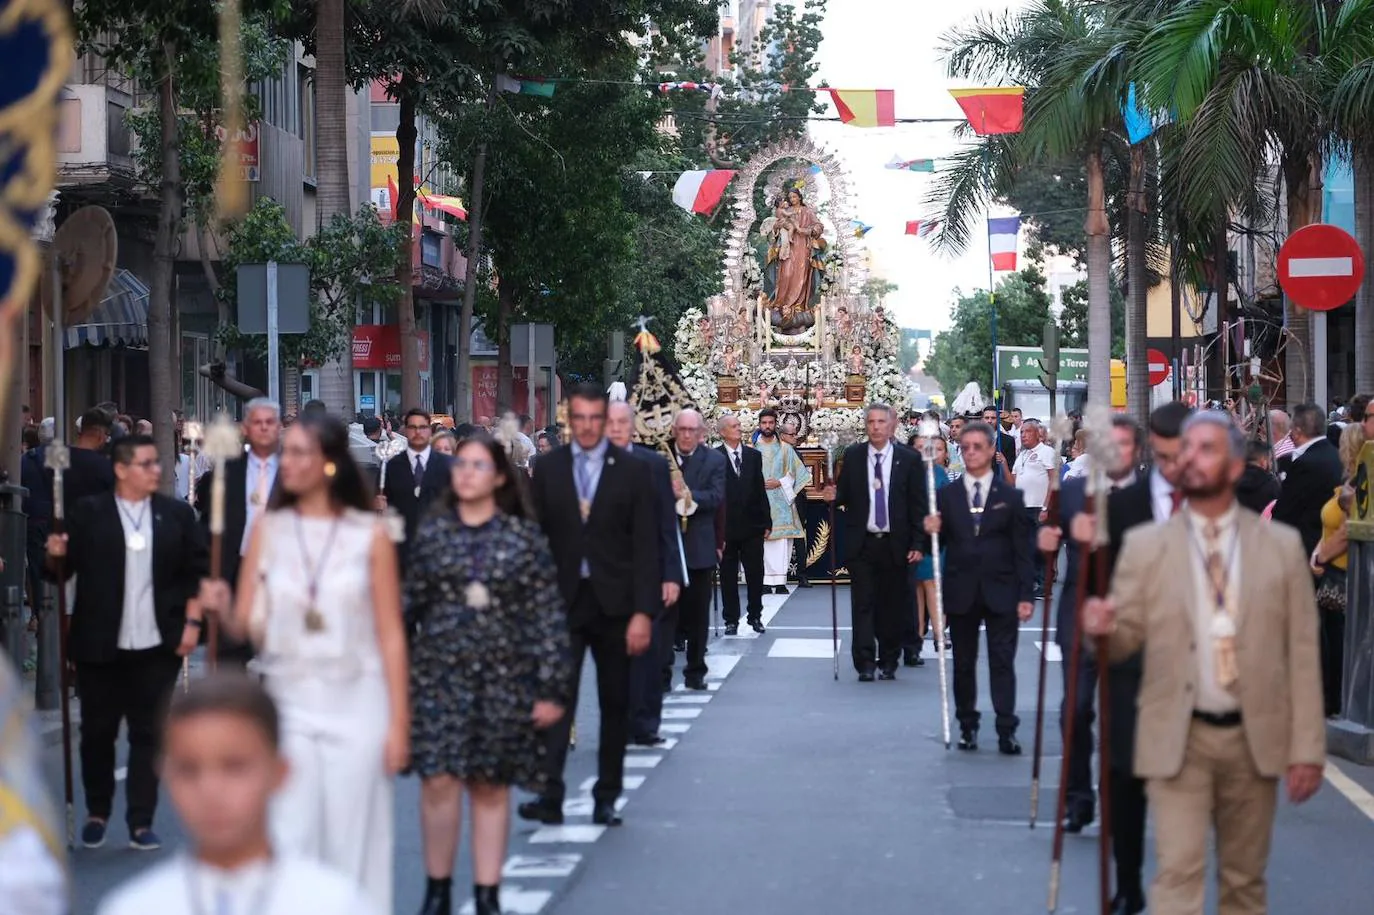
(1223, 719)
(784, 476)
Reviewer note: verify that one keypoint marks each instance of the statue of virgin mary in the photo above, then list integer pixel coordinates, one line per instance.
(794, 263)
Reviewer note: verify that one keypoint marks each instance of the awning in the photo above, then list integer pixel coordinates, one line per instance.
(121, 318)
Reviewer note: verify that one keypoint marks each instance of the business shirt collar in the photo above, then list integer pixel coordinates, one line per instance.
(1126, 481)
(412, 454)
(1300, 450)
(595, 453)
(884, 451)
(985, 479)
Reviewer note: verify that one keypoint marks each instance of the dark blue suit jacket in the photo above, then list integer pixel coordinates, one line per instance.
(669, 552)
(704, 474)
(992, 567)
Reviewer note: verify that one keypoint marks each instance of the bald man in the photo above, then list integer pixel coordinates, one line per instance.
(700, 490)
(748, 520)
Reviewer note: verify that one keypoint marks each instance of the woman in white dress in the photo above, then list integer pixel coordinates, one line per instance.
(319, 594)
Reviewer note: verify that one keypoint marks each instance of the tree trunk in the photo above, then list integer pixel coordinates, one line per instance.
(1303, 195)
(1137, 304)
(405, 273)
(332, 196)
(505, 372)
(160, 381)
(1099, 285)
(1364, 300)
(462, 404)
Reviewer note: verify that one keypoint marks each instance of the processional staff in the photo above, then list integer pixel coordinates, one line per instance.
(830, 441)
(930, 431)
(387, 449)
(58, 460)
(222, 442)
(192, 435)
(1101, 457)
(1061, 429)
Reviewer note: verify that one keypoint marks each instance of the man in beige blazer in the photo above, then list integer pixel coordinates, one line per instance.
(1230, 699)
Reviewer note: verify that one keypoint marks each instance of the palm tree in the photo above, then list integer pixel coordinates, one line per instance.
(1065, 117)
(1243, 78)
(1351, 64)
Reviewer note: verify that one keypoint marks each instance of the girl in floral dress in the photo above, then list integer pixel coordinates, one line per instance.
(490, 666)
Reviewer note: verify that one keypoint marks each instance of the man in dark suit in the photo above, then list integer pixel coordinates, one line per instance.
(700, 491)
(881, 490)
(90, 473)
(250, 482)
(1314, 472)
(748, 520)
(646, 670)
(596, 506)
(1130, 504)
(139, 557)
(989, 581)
(415, 477)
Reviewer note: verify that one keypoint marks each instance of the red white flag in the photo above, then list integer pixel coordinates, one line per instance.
(700, 191)
(922, 227)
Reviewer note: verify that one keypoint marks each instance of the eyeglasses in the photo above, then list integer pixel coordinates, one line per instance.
(416, 428)
(480, 466)
(146, 465)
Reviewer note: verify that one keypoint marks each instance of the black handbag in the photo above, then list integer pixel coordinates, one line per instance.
(1331, 591)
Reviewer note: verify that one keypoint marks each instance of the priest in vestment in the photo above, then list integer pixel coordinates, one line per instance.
(784, 477)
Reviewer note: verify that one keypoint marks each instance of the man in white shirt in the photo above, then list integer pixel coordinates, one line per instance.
(1031, 475)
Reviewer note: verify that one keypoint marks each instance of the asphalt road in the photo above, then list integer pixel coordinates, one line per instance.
(784, 790)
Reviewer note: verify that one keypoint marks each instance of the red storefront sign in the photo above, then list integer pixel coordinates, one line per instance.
(245, 150)
(484, 392)
(378, 346)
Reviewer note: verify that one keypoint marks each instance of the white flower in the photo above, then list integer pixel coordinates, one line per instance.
(476, 596)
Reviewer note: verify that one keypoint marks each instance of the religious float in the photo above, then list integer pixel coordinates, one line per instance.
(791, 328)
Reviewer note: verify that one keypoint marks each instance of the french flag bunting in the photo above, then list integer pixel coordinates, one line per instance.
(1002, 236)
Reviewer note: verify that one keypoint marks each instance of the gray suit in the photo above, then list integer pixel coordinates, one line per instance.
(704, 473)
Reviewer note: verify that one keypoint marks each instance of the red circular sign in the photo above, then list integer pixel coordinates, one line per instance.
(1321, 267)
(1158, 365)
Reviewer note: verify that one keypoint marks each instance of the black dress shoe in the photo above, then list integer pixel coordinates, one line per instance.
(887, 673)
(541, 811)
(912, 659)
(1128, 904)
(804, 583)
(647, 740)
(968, 739)
(732, 628)
(1077, 819)
(781, 589)
(865, 676)
(603, 814)
(756, 624)
(1008, 746)
(679, 644)
(696, 683)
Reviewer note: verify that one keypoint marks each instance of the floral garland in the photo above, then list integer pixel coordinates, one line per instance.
(748, 419)
(752, 276)
(847, 422)
(688, 345)
(701, 385)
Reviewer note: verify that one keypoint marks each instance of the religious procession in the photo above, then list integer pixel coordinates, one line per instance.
(661, 481)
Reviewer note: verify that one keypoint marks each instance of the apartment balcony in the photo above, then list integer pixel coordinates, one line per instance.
(94, 145)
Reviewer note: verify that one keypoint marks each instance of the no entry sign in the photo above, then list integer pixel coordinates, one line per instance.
(1321, 267)
(1159, 366)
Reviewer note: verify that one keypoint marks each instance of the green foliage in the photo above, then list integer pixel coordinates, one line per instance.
(1073, 320)
(877, 289)
(351, 264)
(964, 352)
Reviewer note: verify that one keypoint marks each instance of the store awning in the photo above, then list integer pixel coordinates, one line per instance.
(121, 318)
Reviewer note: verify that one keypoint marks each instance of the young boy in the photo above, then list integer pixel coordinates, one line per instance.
(221, 766)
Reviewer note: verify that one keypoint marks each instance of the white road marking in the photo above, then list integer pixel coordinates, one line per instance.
(720, 667)
(577, 833)
(1321, 266)
(711, 687)
(671, 713)
(1053, 652)
(582, 806)
(808, 628)
(685, 698)
(669, 727)
(630, 783)
(668, 744)
(641, 761)
(516, 901)
(803, 648)
(1354, 792)
(542, 865)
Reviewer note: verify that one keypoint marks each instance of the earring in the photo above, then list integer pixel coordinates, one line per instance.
(330, 469)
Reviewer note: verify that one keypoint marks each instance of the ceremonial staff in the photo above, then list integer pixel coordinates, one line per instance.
(1098, 426)
(192, 434)
(387, 449)
(58, 460)
(222, 442)
(830, 440)
(1060, 430)
(1103, 457)
(930, 430)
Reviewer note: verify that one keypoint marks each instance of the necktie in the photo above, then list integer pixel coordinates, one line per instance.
(1223, 626)
(584, 484)
(260, 491)
(977, 508)
(1176, 501)
(737, 468)
(879, 494)
(419, 471)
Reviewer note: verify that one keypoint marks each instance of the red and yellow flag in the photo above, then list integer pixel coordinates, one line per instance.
(993, 111)
(865, 107)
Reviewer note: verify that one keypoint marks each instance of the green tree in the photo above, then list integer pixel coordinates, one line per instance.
(350, 261)
(1073, 320)
(878, 289)
(964, 352)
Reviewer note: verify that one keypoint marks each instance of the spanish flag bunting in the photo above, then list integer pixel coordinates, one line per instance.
(453, 206)
(395, 194)
(865, 107)
(993, 111)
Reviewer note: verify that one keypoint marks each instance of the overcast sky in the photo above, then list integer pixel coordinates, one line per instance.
(891, 44)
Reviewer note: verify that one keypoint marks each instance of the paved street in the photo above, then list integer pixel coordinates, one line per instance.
(785, 791)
